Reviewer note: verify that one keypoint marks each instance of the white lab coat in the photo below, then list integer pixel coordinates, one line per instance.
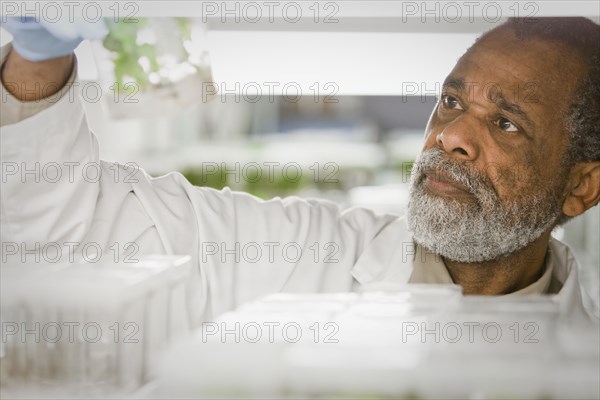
(169, 215)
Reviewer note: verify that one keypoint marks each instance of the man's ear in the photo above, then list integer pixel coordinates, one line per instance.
(584, 188)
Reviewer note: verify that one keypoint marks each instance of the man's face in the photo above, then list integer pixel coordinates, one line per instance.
(490, 179)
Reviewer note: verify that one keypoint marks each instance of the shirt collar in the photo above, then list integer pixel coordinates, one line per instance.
(430, 268)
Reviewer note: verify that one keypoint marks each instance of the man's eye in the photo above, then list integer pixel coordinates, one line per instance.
(451, 103)
(506, 125)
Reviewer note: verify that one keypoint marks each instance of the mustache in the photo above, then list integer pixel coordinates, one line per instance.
(465, 174)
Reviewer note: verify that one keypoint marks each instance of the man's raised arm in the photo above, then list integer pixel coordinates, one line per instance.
(48, 155)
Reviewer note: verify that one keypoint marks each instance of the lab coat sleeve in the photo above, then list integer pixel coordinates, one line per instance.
(315, 244)
(50, 179)
(244, 247)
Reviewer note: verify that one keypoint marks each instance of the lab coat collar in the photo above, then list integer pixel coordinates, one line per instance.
(572, 300)
(393, 257)
(388, 258)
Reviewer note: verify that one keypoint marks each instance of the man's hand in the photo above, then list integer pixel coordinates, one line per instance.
(42, 57)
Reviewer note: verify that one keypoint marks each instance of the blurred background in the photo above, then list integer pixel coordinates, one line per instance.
(283, 109)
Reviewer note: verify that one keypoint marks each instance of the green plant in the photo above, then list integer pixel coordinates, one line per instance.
(122, 41)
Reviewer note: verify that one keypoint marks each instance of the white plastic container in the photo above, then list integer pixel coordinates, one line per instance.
(424, 341)
(89, 329)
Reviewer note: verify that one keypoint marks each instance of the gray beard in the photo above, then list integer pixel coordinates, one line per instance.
(482, 230)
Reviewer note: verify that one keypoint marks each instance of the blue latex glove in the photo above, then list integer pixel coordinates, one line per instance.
(43, 40)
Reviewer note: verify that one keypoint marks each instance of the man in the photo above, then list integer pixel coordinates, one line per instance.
(511, 150)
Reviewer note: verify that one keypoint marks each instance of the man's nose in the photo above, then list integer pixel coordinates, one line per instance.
(459, 138)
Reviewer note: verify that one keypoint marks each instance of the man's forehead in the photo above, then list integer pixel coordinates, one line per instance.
(503, 55)
(519, 67)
